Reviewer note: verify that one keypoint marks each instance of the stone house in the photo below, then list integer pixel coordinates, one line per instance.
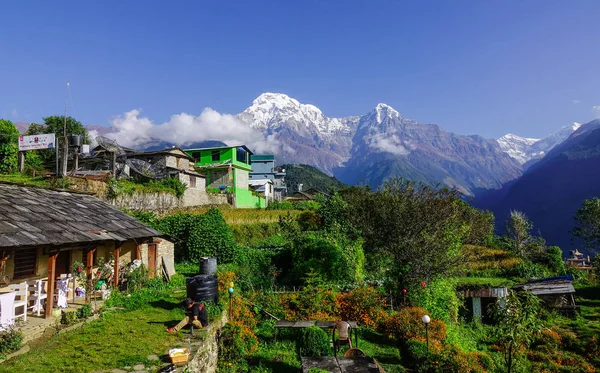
(43, 232)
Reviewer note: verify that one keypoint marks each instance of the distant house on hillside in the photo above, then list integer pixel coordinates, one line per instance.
(227, 170)
(577, 259)
(308, 195)
(263, 167)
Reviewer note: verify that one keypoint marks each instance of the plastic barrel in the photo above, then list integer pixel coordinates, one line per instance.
(208, 266)
(202, 288)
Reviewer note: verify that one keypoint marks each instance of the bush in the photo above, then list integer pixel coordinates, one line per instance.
(555, 261)
(406, 324)
(314, 342)
(84, 312)
(137, 278)
(200, 235)
(237, 341)
(68, 317)
(10, 340)
(364, 305)
(439, 298)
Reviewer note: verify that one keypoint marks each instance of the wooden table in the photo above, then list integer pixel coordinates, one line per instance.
(321, 324)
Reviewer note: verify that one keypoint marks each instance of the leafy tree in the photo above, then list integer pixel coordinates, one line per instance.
(416, 225)
(587, 224)
(518, 324)
(555, 260)
(9, 146)
(518, 226)
(55, 124)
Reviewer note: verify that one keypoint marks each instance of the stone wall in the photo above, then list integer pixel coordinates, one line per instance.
(205, 354)
(167, 201)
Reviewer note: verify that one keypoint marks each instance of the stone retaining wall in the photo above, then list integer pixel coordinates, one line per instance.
(205, 354)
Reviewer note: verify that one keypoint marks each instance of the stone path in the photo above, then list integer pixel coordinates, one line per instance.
(141, 368)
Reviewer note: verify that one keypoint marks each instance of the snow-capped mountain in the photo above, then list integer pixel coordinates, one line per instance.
(388, 145)
(272, 110)
(379, 145)
(516, 147)
(306, 134)
(525, 150)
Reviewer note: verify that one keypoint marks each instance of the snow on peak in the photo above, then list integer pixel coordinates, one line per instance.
(525, 149)
(384, 110)
(274, 109)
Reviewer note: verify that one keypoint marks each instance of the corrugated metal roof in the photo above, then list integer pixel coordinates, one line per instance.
(32, 216)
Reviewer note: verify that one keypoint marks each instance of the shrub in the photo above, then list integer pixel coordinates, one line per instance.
(406, 324)
(200, 235)
(84, 312)
(364, 305)
(555, 261)
(10, 340)
(439, 298)
(68, 317)
(237, 341)
(137, 278)
(314, 342)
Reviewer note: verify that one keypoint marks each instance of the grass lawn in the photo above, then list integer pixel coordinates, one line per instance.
(38, 181)
(120, 338)
(384, 350)
(282, 356)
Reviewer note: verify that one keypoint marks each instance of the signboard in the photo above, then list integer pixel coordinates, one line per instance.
(35, 142)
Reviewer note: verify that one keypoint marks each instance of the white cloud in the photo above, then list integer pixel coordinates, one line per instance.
(596, 109)
(133, 130)
(390, 144)
(575, 102)
(14, 113)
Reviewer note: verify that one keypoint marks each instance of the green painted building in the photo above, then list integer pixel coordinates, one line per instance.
(227, 170)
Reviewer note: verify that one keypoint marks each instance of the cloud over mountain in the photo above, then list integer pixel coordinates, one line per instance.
(134, 130)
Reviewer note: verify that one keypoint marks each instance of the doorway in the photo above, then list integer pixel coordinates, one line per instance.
(62, 263)
(152, 257)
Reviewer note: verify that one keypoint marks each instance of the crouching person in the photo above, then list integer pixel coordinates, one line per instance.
(198, 318)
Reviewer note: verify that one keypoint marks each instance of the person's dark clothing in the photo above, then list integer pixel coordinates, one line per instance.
(199, 310)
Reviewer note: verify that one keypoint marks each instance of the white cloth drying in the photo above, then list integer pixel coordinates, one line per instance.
(63, 289)
(7, 309)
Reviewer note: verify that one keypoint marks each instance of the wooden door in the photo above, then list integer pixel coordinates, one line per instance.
(152, 256)
(62, 263)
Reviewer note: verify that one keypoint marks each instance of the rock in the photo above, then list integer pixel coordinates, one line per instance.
(118, 371)
(153, 357)
(139, 367)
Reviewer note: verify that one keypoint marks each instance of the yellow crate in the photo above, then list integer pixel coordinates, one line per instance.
(180, 358)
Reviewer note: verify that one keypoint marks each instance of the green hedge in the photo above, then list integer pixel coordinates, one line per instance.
(314, 342)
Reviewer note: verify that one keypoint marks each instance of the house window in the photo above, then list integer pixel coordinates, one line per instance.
(196, 156)
(241, 155)
(216, 155)
(192, 181)
(25, 262)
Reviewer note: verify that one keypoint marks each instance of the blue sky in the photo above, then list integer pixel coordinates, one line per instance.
(485, 67)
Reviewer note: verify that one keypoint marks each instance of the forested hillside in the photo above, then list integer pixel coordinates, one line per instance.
(309, 177)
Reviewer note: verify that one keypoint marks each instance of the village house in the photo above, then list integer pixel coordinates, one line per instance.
(43, 232)
(263, 168)
(227, 171)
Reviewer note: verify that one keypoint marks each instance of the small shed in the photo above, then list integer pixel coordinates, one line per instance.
(557, 293)
(478, 301)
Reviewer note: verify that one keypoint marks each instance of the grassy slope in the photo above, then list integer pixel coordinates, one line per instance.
(118, 339)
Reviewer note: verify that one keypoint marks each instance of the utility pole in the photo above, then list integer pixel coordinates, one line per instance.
(65, 155)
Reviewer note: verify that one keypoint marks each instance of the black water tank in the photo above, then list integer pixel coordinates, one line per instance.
(202, 288)
(208, 266)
